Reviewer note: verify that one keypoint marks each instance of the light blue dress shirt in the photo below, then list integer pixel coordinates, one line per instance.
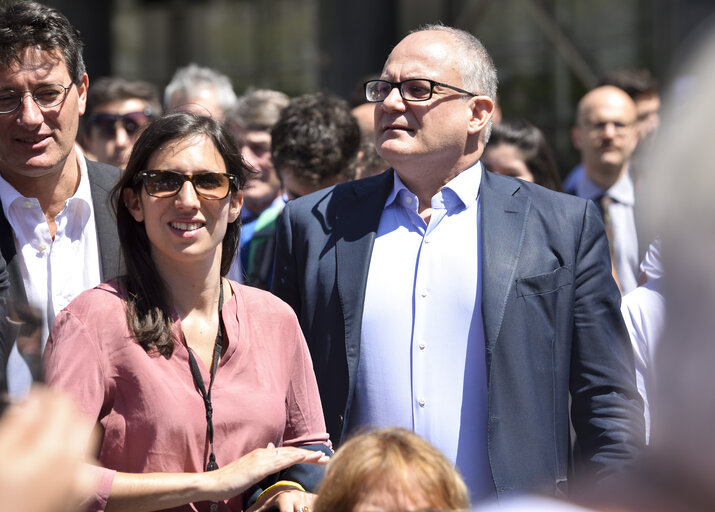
(422, 355)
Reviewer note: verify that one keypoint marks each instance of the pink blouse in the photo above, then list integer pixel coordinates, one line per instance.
(153, 415)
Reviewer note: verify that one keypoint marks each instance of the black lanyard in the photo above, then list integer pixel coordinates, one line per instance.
(211, 465)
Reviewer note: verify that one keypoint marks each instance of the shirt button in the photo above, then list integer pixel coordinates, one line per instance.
(408, 200)
(42, 247)
(427, 240)
(28, 203)
(421, 402)
(422, 346)
(423, 293)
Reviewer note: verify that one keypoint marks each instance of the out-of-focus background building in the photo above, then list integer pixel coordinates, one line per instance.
(548, 52)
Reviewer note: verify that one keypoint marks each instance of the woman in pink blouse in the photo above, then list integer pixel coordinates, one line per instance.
(189, 375)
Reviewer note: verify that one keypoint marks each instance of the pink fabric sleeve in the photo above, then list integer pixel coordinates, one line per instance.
(305, 423)
(104, 478)
(73, 363)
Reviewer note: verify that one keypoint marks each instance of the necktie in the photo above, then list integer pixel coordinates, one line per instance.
(605, 203)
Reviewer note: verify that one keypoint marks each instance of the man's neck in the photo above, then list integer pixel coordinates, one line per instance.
(51, 189)
(426, 181)
(605, 177)
(256, 205)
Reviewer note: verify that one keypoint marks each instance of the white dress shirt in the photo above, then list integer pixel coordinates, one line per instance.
(422, 352)
(643, 310)
(54, 271)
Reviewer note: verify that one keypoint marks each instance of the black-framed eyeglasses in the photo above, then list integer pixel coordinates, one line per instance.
(45, 96)
(132, 122)
(414, 89)
(208, 185)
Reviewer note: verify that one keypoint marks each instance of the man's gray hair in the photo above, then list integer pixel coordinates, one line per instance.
(258, 109)
(476, 67)
(193, 77)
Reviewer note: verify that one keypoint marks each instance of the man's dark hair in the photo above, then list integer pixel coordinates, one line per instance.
(29, 25)
(636, 82)
(115, 88)
(148, 309)
(316, 137)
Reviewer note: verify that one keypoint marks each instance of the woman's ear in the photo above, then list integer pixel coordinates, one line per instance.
(133, 202)
(234, 209)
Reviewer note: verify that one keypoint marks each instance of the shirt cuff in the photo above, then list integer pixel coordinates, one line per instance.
(103, 479)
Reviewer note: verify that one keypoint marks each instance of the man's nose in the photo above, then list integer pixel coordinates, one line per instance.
(30, 113)
(249, 156)
(609, 129)
(121, 137)
(394, 99)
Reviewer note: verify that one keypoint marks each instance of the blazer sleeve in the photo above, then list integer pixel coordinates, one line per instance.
(606, 409)
(285, 275)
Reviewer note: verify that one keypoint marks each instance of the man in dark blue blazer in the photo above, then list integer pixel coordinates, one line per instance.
(500, 288)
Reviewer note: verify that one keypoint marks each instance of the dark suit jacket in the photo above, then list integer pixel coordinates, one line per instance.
(552, 324)
(102, 178)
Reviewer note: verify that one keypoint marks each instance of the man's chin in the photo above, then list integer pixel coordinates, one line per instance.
(259, 192)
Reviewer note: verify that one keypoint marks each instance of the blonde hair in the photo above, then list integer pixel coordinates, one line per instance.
(394, 460)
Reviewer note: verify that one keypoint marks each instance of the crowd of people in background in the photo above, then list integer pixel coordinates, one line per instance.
(215, 294)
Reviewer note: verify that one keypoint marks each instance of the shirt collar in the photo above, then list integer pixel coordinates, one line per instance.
(460, 191)
(621, 191)
(8, 193)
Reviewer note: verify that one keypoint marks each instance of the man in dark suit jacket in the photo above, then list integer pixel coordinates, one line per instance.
(49, 186)
(545, 330)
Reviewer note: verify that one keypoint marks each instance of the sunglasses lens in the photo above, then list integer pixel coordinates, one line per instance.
(163, 184)
(104, 123)
(135, 121)
(132, 122)
(212, 185)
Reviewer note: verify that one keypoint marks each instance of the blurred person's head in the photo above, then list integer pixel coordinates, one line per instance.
(250, 123)
(365, 116)
(518, 148)
(41, 52)
(390, 470)
(368, 161)
(640, 85)
(200, 90)
(606, 133)
(117, 110)
(314, 143)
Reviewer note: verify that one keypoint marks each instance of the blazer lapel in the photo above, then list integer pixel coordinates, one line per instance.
(9, 253)
(503, 216)
(357, 219)
(101, 182)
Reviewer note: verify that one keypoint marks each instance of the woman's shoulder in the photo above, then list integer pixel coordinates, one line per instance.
(103, 298)
(260, 302)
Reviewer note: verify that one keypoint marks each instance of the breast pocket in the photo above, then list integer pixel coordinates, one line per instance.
(542, 284)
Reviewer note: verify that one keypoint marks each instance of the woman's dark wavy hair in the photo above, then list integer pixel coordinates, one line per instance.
(28, 25)
(530, 141)
(149, 314)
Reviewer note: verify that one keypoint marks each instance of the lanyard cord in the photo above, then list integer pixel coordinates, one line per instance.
(211, 465)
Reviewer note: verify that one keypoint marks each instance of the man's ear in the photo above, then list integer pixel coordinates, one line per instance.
(234, 208)
(82, 94)
(482, 108)
(577, 137)
(133, 202)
